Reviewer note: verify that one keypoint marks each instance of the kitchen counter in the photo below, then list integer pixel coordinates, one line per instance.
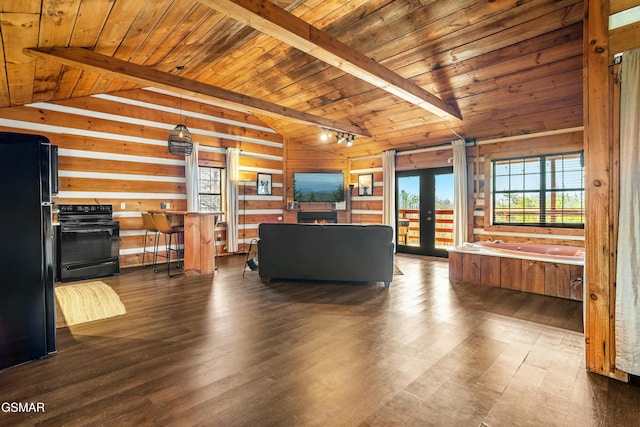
(199, 240)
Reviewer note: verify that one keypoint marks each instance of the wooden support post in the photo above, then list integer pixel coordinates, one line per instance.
(598, 147)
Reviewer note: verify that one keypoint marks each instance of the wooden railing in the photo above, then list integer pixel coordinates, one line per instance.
(444, 227)
(555, 215)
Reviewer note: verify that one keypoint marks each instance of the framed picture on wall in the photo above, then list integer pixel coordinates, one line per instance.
(365, 185)
(264, 184)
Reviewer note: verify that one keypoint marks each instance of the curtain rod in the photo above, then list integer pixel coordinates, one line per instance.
(617, 59)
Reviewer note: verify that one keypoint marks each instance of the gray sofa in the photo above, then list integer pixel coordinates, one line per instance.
(340, 252)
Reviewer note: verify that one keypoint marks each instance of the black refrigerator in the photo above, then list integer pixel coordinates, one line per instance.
(28, 176)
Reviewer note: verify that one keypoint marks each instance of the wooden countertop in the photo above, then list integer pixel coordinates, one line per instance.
(170, 212)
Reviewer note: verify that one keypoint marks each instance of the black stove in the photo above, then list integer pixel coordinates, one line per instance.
(88, 242)
(75, 214)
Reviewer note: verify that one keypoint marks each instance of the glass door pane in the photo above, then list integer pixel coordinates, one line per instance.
(424, 211)
(444, 210)
(408, 211)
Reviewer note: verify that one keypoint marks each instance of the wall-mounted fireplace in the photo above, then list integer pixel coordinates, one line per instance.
(330, 217)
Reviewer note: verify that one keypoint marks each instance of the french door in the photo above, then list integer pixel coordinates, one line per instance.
(424, 211)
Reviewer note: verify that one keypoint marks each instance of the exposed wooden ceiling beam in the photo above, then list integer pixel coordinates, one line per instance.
(91, 61)
(270, 19)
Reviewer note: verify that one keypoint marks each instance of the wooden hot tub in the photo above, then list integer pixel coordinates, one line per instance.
(543, 269)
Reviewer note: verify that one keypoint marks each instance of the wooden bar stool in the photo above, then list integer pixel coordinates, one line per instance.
(149, 227)
(166, 229)
(216, 235)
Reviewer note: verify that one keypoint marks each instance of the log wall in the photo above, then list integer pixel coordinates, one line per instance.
(113, 150)
(299, 158)
(479, 157)
(367, 209)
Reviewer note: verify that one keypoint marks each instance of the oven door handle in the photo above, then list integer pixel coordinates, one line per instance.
(89, 230)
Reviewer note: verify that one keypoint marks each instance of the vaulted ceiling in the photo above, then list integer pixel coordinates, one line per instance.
(398, 73)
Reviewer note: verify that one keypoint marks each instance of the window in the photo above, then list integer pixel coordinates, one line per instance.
(545, 191)
(210, 188)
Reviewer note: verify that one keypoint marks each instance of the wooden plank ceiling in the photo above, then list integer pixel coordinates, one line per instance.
(506, 67)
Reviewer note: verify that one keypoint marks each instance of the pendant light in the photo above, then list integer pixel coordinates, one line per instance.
(180, 141)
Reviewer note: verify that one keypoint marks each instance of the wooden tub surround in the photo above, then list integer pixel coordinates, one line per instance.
(561, 276)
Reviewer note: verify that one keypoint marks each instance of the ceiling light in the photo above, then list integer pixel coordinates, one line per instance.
(180, 141)
(341, 137)
(350, 139)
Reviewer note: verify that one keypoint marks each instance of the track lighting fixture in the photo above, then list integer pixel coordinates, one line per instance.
(341, 137)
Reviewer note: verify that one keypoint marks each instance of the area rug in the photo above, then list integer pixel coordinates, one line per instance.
(396, 270)
(86, 302)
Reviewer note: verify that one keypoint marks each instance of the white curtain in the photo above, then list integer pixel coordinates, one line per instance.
(233, 161)
(192, 175)
(628, 265)
(460, 197)
(389, 190)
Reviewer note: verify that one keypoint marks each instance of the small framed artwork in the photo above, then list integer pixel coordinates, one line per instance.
(264, 184)
(365, 185)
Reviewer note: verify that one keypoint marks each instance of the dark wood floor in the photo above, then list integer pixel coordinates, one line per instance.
(231, 351)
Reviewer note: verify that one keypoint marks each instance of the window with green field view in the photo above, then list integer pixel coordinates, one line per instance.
(542, 191)
(210, 189)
